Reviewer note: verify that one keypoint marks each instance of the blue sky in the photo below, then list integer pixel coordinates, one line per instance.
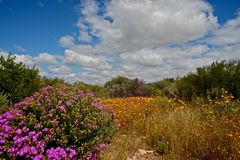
(36, 26)
(93, 41)
(225, 10)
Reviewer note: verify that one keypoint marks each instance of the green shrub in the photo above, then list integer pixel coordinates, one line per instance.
(57, 120)
(45, 81)
(208, 81)
(124, 87)
(165, 87)
(17, 80)
(4, 103)
(119, 87)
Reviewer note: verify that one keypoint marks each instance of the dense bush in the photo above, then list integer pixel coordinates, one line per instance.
(17, 80)
(59, 122)
(165, 87)
(209, 81)
(125, 87)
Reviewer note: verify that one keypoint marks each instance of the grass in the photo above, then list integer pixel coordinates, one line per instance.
(176, 130)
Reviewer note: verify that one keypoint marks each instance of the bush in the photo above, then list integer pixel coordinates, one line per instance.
(125, 87)
(45, 81)
(59, 122)
(119, 87)
(208, 81)
(17, 81)
(4, 103)
(165, 87)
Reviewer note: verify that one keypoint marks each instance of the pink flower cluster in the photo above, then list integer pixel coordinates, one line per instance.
(26, 143)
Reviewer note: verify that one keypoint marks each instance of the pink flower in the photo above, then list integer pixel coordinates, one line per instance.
(46, 129)
(18, 131)
(103, 145)
(62, 108)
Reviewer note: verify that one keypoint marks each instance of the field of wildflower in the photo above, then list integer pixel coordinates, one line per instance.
(201, 129)
(62, 122)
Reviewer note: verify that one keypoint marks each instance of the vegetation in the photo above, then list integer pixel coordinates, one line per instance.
(191, 117)
(165, 87)
(176, 130)
(3, 103)
(17, 80)
(59, 122)
(125, 87)
(45, 81)
(98, 90)
(209, 80)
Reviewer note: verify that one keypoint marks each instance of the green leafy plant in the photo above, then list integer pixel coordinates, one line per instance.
(162, 146)
(4, 103)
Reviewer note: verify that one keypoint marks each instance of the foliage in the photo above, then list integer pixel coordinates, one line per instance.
(59, 122)
(45, 81)
(209, 80)
(17, 80)
(124, 87)
(98, 90)
(119, 87)
(165, 87)
(4, 103)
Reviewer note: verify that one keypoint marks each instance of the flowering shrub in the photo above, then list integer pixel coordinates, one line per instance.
(59, 122)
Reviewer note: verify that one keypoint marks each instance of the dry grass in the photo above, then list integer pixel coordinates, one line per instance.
(176, 130)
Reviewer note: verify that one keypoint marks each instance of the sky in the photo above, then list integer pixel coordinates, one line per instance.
(95, 40)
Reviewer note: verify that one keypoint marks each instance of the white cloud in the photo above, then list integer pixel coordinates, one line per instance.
(66, 41)
(26, 59)
(137, 40)
(143, 57)
(63, 69)
(154, 64)
(46, 58)
(227, 34)
(75, 58)
(147, 23)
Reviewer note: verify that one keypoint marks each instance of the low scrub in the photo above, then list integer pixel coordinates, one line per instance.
(59, 122)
